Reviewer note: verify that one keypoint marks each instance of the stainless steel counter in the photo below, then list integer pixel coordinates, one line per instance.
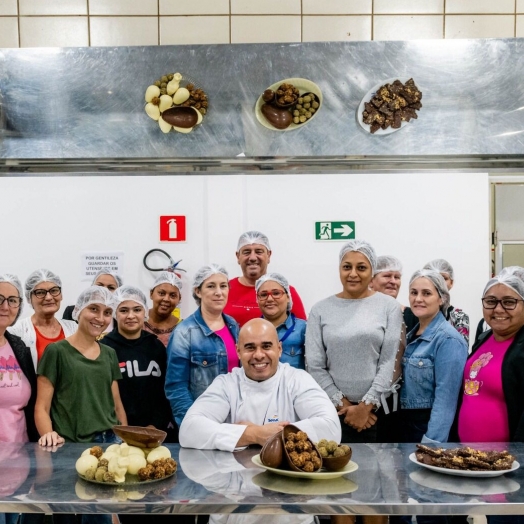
(87, 103)
(386, 482)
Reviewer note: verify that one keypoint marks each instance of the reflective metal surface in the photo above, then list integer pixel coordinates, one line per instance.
(87, 103)
(34, 480)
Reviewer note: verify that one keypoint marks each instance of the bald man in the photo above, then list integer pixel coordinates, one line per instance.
(255, 401)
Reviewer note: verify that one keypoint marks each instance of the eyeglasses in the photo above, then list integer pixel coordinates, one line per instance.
(275, 293)
(13, 302)
(507, 303)
(41, 293)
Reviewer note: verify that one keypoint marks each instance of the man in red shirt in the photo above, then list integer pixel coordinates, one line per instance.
(253, 256)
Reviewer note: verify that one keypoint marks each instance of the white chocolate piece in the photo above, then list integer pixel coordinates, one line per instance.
(135, 463)
(164, 126)
(180, 96)
(153, 111)
(86, 462)
(152, 92)
(158, 453)
(165, 103)
(183, 129)
(199, 114)
(177, 77)
(172, 87)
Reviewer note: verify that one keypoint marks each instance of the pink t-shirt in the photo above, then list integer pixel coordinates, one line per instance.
(229, 341)
(483, 415)
(15, 392)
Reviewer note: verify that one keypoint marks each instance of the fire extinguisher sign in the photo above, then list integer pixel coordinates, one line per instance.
(173, 228)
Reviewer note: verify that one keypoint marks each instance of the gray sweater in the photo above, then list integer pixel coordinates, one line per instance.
(351, 346)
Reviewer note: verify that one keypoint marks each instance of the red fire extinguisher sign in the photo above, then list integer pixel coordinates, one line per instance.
(173, 228)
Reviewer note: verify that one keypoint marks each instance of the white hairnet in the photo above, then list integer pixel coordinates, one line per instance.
(118, 279)
(167, 277)
(38, 276)
(203, 274)
(438, 281)
(14, 281)
(511, 281)
(513, 270)
(362, 247)
(388, 263)
(441, 266)
(129, 293)
(279, 279)
(92, 295)
(253, 237)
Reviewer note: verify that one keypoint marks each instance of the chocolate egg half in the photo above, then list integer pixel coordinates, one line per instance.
(180, 116)
(279, 118)
(272, 453)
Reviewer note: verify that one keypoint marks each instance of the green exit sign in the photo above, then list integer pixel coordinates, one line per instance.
(334, 230)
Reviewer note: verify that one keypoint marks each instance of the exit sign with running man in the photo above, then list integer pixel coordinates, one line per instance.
(334, 230)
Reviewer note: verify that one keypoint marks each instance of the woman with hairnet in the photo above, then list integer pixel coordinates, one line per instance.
(17, 372)
(104, 278)
(203, 346)
(455, 316)
(483, 326)
(352, 340)
(18, 387)
(274, 300)
(80, 372)
(43, 290)
(491, 406)
(166, 295)
(143, 362)
(433, 363)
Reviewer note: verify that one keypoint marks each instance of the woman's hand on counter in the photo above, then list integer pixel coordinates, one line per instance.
(51, 439)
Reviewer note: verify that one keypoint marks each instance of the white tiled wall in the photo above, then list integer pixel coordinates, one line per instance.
(44, 23)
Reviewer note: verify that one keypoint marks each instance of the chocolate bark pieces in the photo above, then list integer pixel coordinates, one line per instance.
(465, 458)
(398, 102)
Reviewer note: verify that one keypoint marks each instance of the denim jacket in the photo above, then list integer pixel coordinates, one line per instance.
(433, 367)
(293, 345)
(195, 356)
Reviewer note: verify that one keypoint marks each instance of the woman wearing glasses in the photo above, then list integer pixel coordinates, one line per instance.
(274, 300)
(43, 290)
(17, 374)
(203, 345)
(492, 401)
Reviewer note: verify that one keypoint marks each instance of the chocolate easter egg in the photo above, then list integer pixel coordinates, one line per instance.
(180, 116)
(279, 118)
(272, 452)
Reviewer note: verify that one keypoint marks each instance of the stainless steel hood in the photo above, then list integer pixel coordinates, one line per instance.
(80, 108)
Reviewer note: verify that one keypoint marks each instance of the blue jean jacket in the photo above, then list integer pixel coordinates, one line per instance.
(433, 367)
(292, 334)
(195, 356)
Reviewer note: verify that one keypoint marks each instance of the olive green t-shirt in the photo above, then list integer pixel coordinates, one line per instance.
(82, 402)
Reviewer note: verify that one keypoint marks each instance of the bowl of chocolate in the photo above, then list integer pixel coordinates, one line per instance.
(300, 452)
(282, 107)
(334, 456)
(139, 436)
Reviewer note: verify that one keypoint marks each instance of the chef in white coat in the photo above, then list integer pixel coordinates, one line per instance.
(252, 403)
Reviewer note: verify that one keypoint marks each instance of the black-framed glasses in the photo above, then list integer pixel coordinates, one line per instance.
(275, 293)
(13, 302)
(41, 293)
(507, 303)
